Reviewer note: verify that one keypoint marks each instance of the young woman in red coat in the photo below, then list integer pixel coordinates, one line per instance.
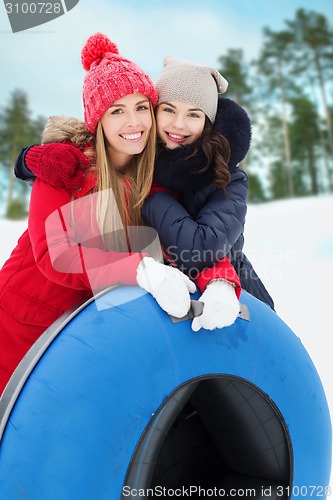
(70, 249)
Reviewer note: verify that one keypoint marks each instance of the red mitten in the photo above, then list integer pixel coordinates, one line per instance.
(59, 164)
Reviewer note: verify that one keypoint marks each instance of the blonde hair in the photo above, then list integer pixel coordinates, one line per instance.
(121, 196)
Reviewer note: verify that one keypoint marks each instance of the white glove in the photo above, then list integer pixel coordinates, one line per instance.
(170, 287)
(221, 306)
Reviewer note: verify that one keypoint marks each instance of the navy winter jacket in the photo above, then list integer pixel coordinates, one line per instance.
(203, 223)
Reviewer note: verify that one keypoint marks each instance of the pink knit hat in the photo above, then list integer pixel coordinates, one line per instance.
(110, 77)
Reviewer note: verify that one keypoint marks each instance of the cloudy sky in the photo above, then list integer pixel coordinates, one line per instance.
(45, 61)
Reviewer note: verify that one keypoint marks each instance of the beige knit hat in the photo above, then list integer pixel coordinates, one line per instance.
(191, 82)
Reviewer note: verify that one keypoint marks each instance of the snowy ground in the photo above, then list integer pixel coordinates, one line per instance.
(290, 244)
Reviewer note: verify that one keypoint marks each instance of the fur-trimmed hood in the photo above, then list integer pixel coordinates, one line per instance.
(66, 129)
(177, 169)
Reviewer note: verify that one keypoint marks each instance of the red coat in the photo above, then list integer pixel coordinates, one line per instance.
(34, 291)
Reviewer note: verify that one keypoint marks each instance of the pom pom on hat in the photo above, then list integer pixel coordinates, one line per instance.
(109, 78)
(191, 82)
(95, 48)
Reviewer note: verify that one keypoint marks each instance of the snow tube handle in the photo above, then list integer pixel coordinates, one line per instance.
(196, 309)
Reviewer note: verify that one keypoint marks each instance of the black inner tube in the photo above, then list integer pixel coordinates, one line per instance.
(219, 432)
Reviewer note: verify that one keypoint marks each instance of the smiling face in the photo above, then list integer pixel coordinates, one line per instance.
(179, 123)
(126, 126)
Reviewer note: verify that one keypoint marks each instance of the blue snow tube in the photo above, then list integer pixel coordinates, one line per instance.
(124, 403)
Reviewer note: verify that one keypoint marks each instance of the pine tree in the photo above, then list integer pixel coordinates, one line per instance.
(273, 65)
(17, 130)
(314, 40)
(236, 72)
(305, 137)
(314, 45)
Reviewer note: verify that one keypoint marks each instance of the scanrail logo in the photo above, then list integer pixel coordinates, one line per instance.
(27, 14)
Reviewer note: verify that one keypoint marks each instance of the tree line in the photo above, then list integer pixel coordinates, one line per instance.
(287, 92)
(17, 130)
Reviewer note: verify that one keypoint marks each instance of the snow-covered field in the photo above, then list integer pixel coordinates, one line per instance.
(290, 244)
